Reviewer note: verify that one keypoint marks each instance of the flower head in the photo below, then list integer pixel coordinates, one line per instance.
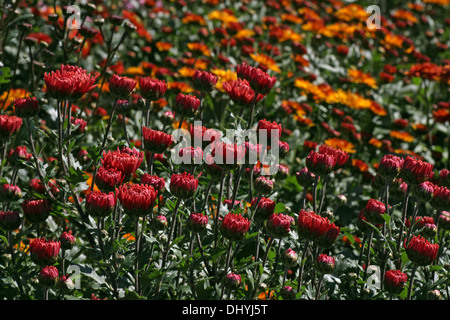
(325, 264)
(121, 87)
(108, 178)
(48, 276)
(9, 125)
(43, 251)
(100, 204)
(36, 210)
(156, 141)
(320, 164)
(156, 182)
(395, 281)
(125, 160)
(415, 171)
(137, 199)
(197, 222)
(279, 225)
(259, 81)
(152, 89)
(390, 166)
(234, 226)
(204, 81)
(186, 105)
(374, 210)
(441, 198)
(26, 107)
(10, 220)
(420, 251)
(183, 185)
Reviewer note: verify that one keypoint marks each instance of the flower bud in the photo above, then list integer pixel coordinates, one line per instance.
(10, 220)
(183, 185)
(67, 240)
(99, 204)
(36, 210)
(325, 264)
(263, 185)
(287, 293)
(234, 226)
(10, 193)
(48, 276)
(204, 81)
(279, 225)
(232, 281)
(395, 281)
(121, 87)
(424, 191)
(158, 223)
(420, 251)
(26, 107)
(289, 258)
(44, 252)
(389, 166)
(197, 222)
(65, 284)
(305, 178)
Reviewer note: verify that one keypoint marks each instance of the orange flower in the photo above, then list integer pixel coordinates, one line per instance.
(179, 87)
(13, 94)
(186, 72)
(222, 15)
(200, 48)
(190, 18)
(163, 46)
(342, 144)
(375, 142)
(401, 135)
(129, 237)
(360, 165)
(357, 76)
(266, 61)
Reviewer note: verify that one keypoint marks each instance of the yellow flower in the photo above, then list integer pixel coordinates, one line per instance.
(186, 72)
(244, 33)
(223, 76)
(357, 76)
(199, 47)
(266, 61)
(342, 144)
(223, 16)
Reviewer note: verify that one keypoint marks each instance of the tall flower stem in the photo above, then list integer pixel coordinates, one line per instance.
(302, 266)
(402, 222)
(315, 183)
(369, 245)
(411, 282)
(322, 193)
(168, 245)
(227, 264)
(252, 109)
(413, 219)
(219, 202)
(319, 286)
(137, 236)
(105, 137)
(269, 245)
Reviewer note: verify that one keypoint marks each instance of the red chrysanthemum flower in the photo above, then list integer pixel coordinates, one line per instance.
(183, 185)
(152, 89)
(186, 105)
(197, 222)
(36, 210)
(312, 227)
(69, 82)
(43, 251)
(234, 226)
(390, 166)
(125, 160)
(240, 92)
(137, 199)
(121, 87)
(420, 251)
(156, 182)
(204, 81)
(108, 179)
(10, 220)
(395, 281)
(415, 171)
(100, 204)
(156, 141)
(441, 198)
(374, 210)
(320, 164)
(259, 81)
(26, 107)
(269, 129)
(279, 225)
(9, 125)
(325, 264)
(48, 276)
(340, 155)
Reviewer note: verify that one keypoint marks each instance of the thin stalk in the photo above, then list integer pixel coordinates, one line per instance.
(219, 202)
(369, 245)
(302, 266)
(316, 179)
(230, 247)
(402, 222)
(319, 285)
(137, 235)
(269, 245)
(322, 193)
(411, 282)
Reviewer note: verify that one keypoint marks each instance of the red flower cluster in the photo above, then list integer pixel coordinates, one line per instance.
(259, 80)
(137, 199)
(99, 204)
(395, 281)
(26, 107)
(69, 82)
(121, 87)
(156, 141)
(420, 251)
(36, 210)
(186, 105)
(240, 92)
(312, 227)
(415, 171)
(152, 89)
(43, 251)
(183, 185)
(279, 225)
(9, 125)
(234, 226)
(125, 160)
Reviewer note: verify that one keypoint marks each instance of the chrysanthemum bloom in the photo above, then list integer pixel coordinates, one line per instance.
(43, 251)
(288, 293)
(419, 221)
(374, 210)
(99, 204)
(191, 156)
(268, 129)
(325, 264)
(234, 226)
(137, 199)
(232, 281)
(444, 220)
(310, 226)
(279, 225)
(167, 118)
(264, 209)
(240, 92)
(123, 107)
(78, 124)
(415, 171)
(204, 81)
(10, 192)
(395, 281)
(67, 240)
(108, 179)
(183, 185)
(36, 210)
(10, 220)
(26, 107)
(48, 276)
(328, 239)
(420, 251)
(186, 105)
(126, 160)
(424, 191)
(340, 156)
(259, 81)
(158, 223)
(121, 87)
(9, 125)
(19, 154)
(226, 155)
(156, 182)
(320, 164)
(441, 198)
(152, 89)
(289, 258)
(204, 136)
(305, 178)
(197, 222)
(444, 177)
(69, 82)
(156, 141)
(389, 166)
(283, 148)
(398, 189)
(263, 185)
